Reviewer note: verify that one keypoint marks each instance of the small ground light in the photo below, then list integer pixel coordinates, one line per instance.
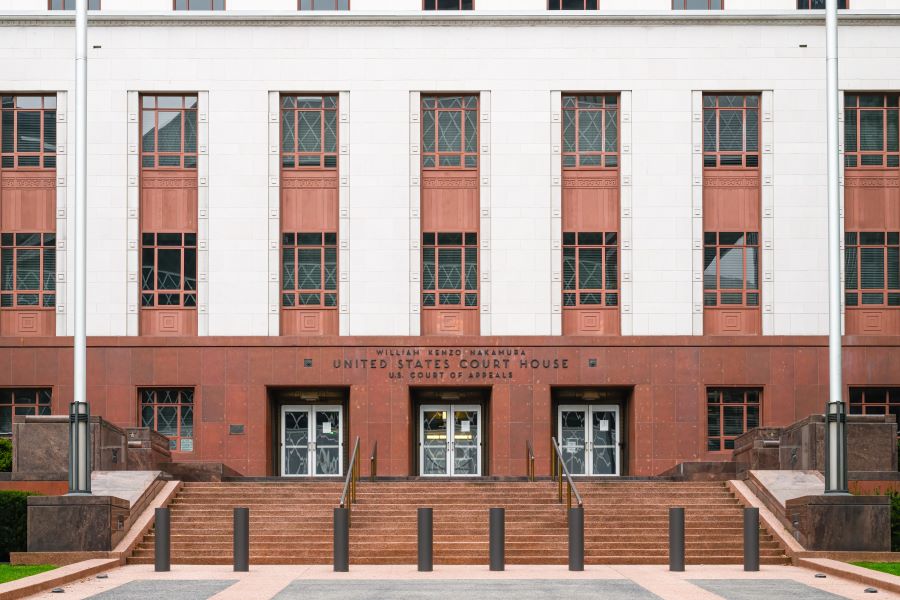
(102, 576)
(820, 575)
(870, 591)
(57, 591)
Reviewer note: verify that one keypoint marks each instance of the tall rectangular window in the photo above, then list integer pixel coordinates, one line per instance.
(27, 270)
(875, 401)
(730, 412)
(70, 4)
(323, 5)
(22, 401)
(572, 4)
(169, 132)
(169, 270)
(450, 269)
(731, 130)
(871, 130)
(447, 4)
(731, 269)
(872, 268)
(28, 132)
(450, 132)
(199, 4)
(309, 269)
(590, 269)
(698, 4)
(818, 4)
(309, 132)
(590, 131)
(170, 411)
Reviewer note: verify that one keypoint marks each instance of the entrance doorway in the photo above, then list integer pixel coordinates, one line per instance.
(450, 432)
(310, 432)
(590, 431)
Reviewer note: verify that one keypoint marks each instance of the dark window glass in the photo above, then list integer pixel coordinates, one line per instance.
(28, 270)
(450, 132)
(28, 132)
(731, 268)
(169, 131)
(169, 269)
(730, 412)
(872, 266)
(730, 130)
(169, 411)
(449, 268)
(871, 130)
(590, 131)
(590, 269)
(22, 401)
(309, 269)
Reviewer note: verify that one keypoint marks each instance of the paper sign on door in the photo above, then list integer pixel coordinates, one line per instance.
(466, 426)
(326, 427)
(604, 425)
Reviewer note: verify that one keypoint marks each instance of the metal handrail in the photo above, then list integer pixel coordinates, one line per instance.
(348, 495)
(529, 460)
(373, 462)
(560, 470)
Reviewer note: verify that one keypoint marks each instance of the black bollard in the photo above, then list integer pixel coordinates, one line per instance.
(751, 539)
(676, 539)
(498, 539)
(241, 539)
(162, 541)
(426, 539)
(576, 539)
(341, 540)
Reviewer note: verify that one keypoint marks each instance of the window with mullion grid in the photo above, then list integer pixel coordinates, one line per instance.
(731, 130)
(875, 401)
(698, 4)
(323, 5)
(447, 4)
(872, 268)
(818, 4)
(70, 4)
(590, 131)
(730, 412)
(871, 130)
(731, 269)
(168, 270)
(572, 5)
(169, 132)
(450, 132)
(27, 270)
(170, 411)
(450, 270)
(199, 4)
(22, 401)
(309, 270)
(309, 131)
(590, 269)
(27, 132)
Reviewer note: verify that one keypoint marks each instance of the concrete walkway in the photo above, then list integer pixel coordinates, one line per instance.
(518, 582)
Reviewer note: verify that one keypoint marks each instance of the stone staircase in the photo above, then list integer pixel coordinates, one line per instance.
(626, 522)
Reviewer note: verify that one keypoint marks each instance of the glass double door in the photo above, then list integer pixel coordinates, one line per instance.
(312, 441)
(589, 439)
(450, 440)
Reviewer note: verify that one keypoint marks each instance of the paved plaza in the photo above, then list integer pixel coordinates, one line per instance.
(403, 582)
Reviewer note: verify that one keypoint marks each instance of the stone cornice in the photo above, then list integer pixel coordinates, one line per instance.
(420, 18)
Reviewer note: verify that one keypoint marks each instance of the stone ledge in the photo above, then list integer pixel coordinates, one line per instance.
(876, 579)
(27, 586)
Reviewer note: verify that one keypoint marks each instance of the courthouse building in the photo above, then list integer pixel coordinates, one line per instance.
(457, 228)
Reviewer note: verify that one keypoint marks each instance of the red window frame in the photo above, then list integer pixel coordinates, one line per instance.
(576, 107)
(151, 400)
(875, 401)
(186, 4)
(152, 106)
(437, 296)
(718, 245)
(436, 4)
(807, 5)
(584, 4)
(61, 4)
(183, 295)
(747, 400)
(710, 5)
(314, 4)
(12, 294)
(22, 401)
(12, 107)
(575, 293)
(885, 245)
(717, 105)
(888, 109)
(433, 106)
(326, 107)
(325, 294)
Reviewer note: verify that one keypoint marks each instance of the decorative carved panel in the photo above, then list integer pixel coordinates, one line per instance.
(590, 201)
(169, 322)
(877, 321)
(309, 200)
(590, 321)
(450, 201)
(731, 321)
(309, 322)
(872, 200)
(450, 322)
(28, 323)
(731, 200)
(28, 201)
(168, 200)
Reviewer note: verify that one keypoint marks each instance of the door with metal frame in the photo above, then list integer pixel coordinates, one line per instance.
(589, 439)
(312, 442)
(450, 443)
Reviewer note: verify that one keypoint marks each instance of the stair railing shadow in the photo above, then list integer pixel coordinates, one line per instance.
(560, 472)
(348, 495)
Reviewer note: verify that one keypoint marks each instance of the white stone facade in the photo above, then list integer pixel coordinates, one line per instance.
(521, 61)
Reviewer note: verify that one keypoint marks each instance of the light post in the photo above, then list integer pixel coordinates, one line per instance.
(835, 416)
(79, 410)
